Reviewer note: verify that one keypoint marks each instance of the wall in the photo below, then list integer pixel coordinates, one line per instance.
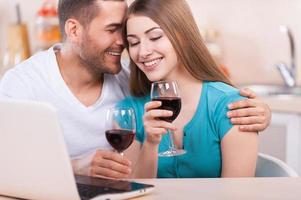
(250, 36)
(249, 32)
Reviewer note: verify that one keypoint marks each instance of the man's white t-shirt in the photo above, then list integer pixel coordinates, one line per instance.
(39, 79)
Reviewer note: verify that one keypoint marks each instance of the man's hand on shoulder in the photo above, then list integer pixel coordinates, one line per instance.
(251, 114)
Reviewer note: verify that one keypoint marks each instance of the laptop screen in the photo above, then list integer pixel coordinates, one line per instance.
(90, 187)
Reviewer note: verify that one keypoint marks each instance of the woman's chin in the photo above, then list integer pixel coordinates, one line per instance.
(154, 79)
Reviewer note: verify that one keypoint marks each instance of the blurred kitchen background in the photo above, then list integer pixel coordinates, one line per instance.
(246, 31)
(245, 38)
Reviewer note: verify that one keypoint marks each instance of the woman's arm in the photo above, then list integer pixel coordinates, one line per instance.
(144, 157)
(144, 160)
(239, 153)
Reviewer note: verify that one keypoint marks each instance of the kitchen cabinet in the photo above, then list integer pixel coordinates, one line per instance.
(282, 139)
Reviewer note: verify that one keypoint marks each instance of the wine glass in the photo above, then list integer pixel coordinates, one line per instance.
(120, 128)
(168, 93)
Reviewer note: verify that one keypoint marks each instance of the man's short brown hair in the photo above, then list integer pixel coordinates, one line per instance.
(82, 10)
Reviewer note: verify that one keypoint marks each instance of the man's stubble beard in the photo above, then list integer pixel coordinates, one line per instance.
(94, 59)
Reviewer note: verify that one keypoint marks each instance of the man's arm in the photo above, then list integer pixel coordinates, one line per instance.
(252, 114)
(14, 85)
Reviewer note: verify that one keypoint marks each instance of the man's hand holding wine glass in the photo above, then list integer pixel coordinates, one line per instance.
(102, 163)
(110, 164)
(120, 133)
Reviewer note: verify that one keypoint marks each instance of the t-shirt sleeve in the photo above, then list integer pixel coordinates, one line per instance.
(138, 106)
(14, 86)
(123, 77)
(222, 122)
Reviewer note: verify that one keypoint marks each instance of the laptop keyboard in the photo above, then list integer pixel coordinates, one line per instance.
(89, 191)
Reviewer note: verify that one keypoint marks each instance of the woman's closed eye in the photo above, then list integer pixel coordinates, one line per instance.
(133, 43)
(156, 38)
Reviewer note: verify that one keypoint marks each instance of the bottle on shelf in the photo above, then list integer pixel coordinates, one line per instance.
(47, 29)
(17, 48)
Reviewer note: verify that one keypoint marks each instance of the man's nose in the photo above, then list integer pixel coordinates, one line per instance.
(119, 39)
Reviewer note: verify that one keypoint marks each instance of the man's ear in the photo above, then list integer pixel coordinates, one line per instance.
(73, 30)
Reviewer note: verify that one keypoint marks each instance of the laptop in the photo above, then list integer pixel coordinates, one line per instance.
(34, 163)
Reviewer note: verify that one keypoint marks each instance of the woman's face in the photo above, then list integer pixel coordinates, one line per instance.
(150, 49)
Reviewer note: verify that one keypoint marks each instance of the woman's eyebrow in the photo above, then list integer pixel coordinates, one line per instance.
(151, 29)
(145, 32)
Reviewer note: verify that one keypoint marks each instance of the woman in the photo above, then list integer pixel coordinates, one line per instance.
(164, 44)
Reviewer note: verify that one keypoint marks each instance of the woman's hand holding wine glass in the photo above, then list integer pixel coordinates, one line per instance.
(161, 116)
(153, 126)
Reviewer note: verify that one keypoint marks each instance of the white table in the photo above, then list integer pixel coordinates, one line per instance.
(223, 189)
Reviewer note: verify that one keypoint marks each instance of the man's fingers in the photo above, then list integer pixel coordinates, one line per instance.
(253, 111)
(114, 166)
(109, 155)
(242, 104)
(248, 120)
(251, 128)
(110, 164)
(247, 92)
(108, 173)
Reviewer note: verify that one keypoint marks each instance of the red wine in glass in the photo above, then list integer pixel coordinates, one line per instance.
(170, 103)
(120, 128)
(168, 93)
(120, 139)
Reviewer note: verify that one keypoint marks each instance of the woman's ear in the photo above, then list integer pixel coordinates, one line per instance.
(73, 30)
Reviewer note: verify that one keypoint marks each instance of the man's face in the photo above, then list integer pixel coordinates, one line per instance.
(101, 42)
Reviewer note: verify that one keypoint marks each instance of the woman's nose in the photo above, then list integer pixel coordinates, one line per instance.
(145, 51)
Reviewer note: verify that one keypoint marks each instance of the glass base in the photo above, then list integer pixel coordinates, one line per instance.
(172, 152)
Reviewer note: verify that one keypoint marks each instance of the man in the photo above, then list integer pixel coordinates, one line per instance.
(83, 77)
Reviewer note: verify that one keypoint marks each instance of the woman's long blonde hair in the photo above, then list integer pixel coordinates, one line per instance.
(176, 20)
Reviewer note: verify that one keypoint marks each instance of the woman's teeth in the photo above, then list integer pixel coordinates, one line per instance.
(151, 63)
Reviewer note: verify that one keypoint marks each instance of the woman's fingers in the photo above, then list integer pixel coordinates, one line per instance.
(154, 124)
(156, 131)
(152, 105)
(158, 113)
(149, 124)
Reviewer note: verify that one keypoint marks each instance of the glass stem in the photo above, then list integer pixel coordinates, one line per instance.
(171, 143)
